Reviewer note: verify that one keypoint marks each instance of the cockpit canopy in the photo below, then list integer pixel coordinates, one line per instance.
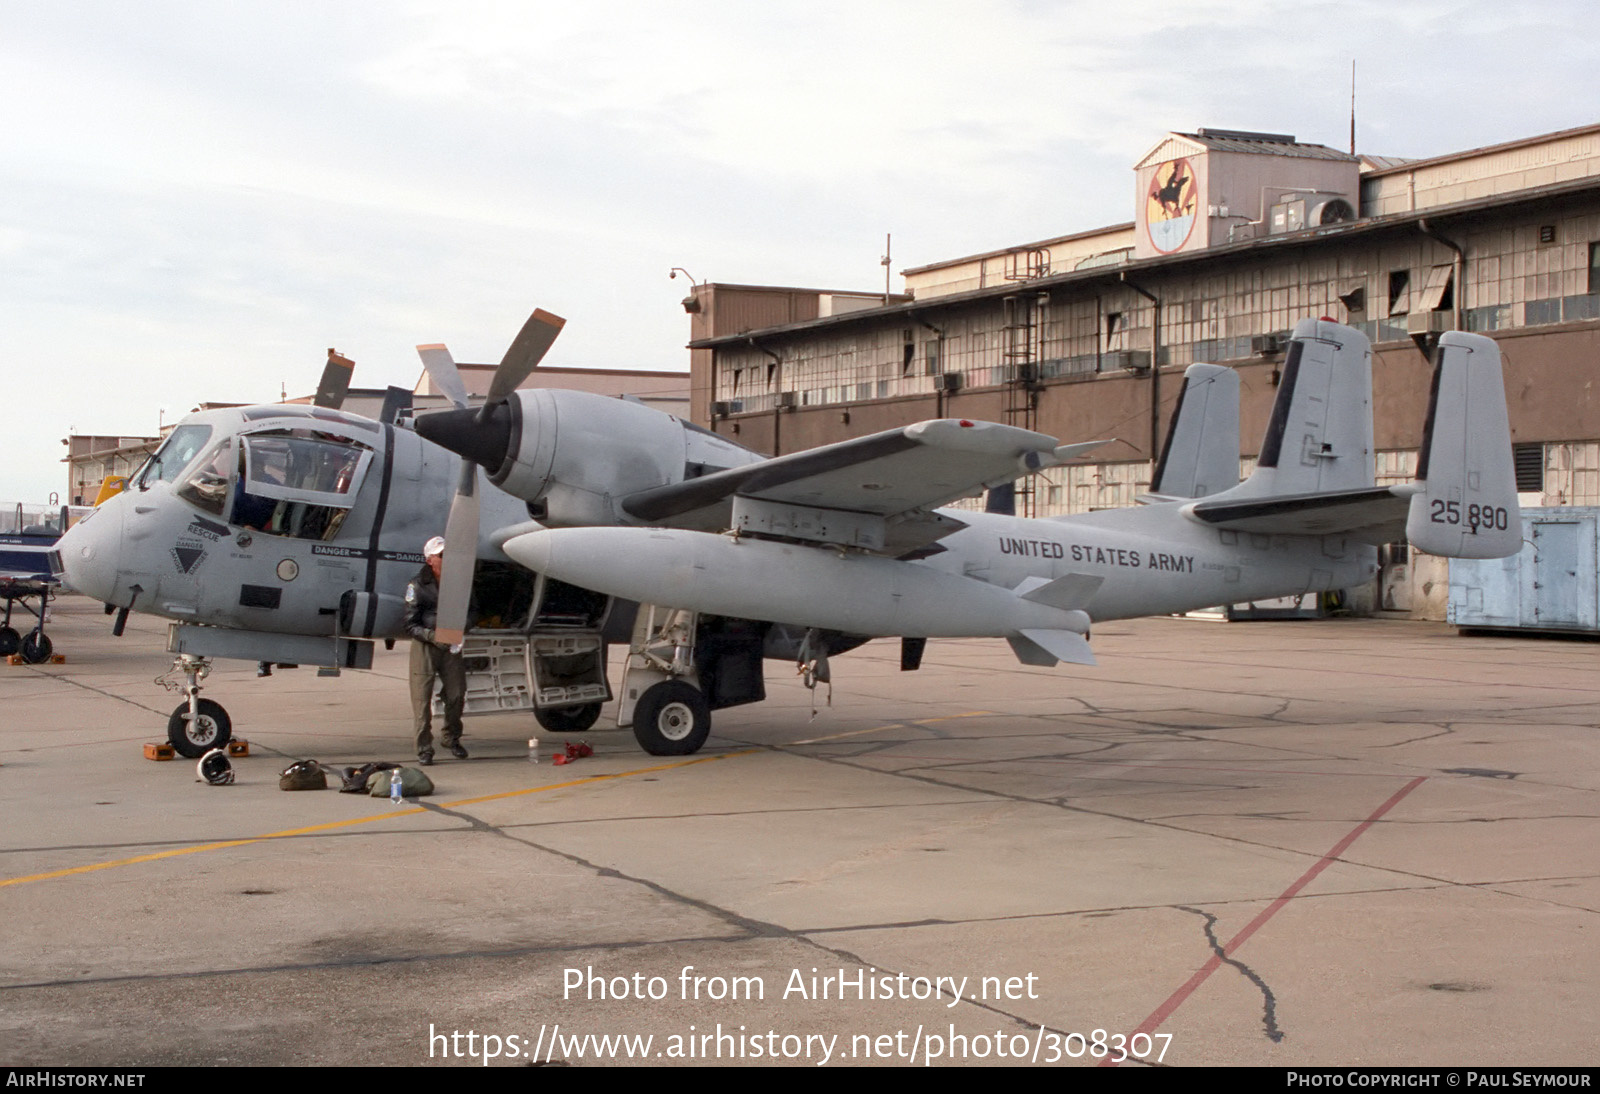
(298, 481)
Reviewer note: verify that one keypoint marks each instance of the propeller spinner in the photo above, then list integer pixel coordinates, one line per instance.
(464, 427)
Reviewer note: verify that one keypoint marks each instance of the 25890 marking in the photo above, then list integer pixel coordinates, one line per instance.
(1487, 517)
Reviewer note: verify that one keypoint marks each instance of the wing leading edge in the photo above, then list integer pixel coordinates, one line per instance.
(873, 492)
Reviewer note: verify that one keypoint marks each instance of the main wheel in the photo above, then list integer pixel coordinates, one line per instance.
(36, 648)
(671, 719)
(193, 739)
(569, 719)
(10, 641)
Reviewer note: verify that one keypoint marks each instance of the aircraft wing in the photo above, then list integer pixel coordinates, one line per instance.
(829, 494)
(1374, 515)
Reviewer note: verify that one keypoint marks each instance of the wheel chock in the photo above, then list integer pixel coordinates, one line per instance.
(238, 747)
(160, 750)
(54, 659)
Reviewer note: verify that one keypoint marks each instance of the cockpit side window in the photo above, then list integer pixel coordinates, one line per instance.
(298, 482)
(207, 485)
(173, 456)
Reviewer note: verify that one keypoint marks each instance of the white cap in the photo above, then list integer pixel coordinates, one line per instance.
(434, 546)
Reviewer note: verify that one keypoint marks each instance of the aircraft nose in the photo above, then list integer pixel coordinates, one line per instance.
(91, 553)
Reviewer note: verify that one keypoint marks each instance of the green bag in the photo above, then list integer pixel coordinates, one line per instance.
(413, 783)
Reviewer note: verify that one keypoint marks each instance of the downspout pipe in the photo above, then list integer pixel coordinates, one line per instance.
(1155, 364)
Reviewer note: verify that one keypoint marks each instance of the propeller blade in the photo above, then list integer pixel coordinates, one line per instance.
(335, 382)
(460, 557)
(527, 350)
(441, 368)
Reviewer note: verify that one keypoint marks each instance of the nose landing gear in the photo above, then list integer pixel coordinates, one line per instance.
(197, 725)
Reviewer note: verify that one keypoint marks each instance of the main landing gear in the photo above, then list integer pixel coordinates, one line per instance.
(197, 725)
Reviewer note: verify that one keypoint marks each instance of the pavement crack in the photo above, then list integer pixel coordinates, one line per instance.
(1269, 1006)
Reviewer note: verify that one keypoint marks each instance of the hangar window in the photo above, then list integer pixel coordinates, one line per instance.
(1399, 292)
(1114, 329)
(298, 482)
(1438, 292)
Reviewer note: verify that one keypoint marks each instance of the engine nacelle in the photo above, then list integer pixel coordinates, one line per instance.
(576, 453)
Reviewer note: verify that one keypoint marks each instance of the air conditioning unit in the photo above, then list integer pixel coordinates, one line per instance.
(1430, 322)
(721, 410)
(1024, 372)
(787, 400)
(1129, 360)
(949, 381)
(1264, 345)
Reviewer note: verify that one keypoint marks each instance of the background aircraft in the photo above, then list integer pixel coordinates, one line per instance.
(284, 533)
(30, 569)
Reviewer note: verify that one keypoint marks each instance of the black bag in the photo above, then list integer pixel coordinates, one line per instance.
(303, 775)
(355, 778)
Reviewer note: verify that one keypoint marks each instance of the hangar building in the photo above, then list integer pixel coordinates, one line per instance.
(1235, 237)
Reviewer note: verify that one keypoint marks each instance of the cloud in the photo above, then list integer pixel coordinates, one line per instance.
(199, 198)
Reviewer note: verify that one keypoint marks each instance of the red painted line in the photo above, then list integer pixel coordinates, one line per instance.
(1177, 998)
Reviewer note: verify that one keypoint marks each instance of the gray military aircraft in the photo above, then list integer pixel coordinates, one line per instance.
(848, 539)
(287, 533)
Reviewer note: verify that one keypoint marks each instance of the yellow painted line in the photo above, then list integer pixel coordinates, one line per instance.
(896, 725)
(351, 822)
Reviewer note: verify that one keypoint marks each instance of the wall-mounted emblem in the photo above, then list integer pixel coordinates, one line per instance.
(1171, 206)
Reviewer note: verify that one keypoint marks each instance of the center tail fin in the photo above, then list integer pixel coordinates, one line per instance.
(1319, 438)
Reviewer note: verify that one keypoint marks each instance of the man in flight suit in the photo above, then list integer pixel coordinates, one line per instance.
(430, 660)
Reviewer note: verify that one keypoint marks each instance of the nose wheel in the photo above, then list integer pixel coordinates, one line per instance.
(197, 725)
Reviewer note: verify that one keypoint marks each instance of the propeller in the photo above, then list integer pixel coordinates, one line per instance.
(461, 529)
(335, 382)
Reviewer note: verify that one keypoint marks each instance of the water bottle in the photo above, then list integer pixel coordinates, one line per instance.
(533, 750)
(394, 787)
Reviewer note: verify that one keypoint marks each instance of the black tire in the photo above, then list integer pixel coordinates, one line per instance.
(671, 719)
(569, 719)
(37, 648)
(10, 641)
(215, 730)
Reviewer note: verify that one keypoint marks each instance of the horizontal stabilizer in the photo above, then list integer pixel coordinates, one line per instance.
(1070, 593)
(1375, 514)
(1045, 648)
(1467, 505)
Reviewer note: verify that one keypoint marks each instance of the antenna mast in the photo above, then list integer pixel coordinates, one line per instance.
(1352, 106)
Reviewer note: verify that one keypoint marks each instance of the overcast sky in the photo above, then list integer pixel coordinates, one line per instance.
(197, 199)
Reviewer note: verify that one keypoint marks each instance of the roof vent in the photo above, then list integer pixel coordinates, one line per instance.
(1245, 135)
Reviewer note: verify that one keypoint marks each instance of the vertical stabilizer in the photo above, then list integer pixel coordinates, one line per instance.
(1201, 455)
(1467, 507)
(1319, 438)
